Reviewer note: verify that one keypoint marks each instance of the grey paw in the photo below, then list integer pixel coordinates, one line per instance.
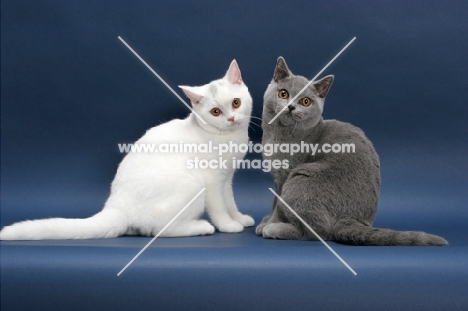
(259, 229)
(270, 231)
(282, 231)
(263, 223)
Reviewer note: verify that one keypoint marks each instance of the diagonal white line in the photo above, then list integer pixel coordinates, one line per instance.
(160, 232)
(162, 80)
(312, 230)
(313, 80)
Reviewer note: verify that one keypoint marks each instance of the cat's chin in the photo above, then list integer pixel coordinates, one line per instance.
(233, 127)
(225, 129)
(288, 119)
(287, 122)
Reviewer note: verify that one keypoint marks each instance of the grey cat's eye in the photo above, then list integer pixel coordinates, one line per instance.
(283, 94)
(306, 101)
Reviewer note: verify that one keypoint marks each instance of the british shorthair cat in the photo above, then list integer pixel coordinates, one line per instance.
(336, 193)
(149, 189)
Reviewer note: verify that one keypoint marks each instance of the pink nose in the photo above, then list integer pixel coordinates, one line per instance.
(231, 119)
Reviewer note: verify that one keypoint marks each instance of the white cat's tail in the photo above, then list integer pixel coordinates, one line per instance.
(108, 223)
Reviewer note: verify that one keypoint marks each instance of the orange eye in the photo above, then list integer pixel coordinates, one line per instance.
(306, 101)
(283, 94)
(215, 111)
(236, 103)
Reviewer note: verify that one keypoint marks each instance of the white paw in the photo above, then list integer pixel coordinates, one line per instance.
(207, 229)
(231, 227)
(245, 220)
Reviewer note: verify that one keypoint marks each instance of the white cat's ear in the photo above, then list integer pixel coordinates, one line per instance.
(193, 93)
(323, 86)
(281, 71)
(233, 75)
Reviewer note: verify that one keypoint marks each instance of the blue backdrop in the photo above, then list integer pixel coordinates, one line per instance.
(71, 91)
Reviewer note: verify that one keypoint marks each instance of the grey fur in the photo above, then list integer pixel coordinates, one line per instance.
(336, 194)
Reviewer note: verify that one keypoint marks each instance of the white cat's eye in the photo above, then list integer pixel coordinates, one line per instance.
(236, 103)
(283, 94)
(215, 111)
(306, 101)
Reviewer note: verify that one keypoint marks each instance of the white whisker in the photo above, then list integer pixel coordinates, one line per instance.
(295, 125)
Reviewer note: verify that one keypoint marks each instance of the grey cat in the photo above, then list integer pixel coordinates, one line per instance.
(337, 194)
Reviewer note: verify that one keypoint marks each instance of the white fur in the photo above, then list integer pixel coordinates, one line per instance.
(149, 189)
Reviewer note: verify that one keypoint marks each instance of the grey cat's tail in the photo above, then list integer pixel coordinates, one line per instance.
(353, 232)
(108, 223)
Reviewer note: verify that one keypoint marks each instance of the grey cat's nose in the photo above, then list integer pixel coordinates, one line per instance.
(291, 108)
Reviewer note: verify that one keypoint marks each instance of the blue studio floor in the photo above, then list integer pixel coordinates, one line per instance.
(244, 271)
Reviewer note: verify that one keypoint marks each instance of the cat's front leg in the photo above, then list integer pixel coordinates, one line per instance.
(231, 206)
(273, 217)
(217, 209)
(267, 219)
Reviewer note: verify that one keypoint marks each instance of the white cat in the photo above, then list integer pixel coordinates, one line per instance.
(149, 189)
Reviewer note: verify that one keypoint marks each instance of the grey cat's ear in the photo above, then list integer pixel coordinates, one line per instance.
(192, 93)
(281, 71)
(323, 86)
(233, 75)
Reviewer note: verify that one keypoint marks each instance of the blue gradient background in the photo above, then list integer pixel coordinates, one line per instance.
(71, 91)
